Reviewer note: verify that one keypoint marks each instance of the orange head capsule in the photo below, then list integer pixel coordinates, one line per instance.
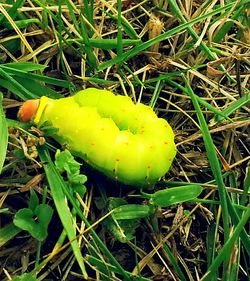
(28, 110)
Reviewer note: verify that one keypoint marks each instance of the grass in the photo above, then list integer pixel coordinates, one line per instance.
(189, 61)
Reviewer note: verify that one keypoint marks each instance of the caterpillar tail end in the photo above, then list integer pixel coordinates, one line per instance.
(28, 110)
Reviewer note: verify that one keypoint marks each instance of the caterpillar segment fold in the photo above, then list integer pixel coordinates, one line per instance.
(125, 141)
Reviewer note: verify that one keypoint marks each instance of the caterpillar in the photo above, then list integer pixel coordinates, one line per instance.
(125, 141)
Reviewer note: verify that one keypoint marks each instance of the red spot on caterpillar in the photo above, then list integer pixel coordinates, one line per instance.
(148, 168)
(28, 110)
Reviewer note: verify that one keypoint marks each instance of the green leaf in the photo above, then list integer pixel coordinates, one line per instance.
(34, 201)
(36, 223)
(25, 66)
(25, 277)
(174, 195)
(132, 211)
(66, 162)
(3, 135)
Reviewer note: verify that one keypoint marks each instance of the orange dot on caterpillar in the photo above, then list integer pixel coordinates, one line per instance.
(101, 127)
(28, 110)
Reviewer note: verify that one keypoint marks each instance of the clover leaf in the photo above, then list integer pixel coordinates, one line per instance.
(35, 219)
(65, 162)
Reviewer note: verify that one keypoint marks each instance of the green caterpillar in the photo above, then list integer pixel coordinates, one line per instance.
(125, 141)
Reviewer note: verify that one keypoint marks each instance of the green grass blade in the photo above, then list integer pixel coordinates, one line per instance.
(119, 31)
(49, 80)
(38, 89)
(131, 53)
(12, 11)
(22, 23)
(91, 59)
(107, 44)
(7, 233)
(128, 28)
(24, 66)
(3, 135)
(235, 218)
(57, 187)
(225, 28)
(191, 31)
(225, 251)
(156, 94)
(213, 159)
(11, 84)
(244, 100)
(174, 262)
(226, 203)
(200, 100)
(246, 187)
(72, 14)
(103, 267)
(88, 11)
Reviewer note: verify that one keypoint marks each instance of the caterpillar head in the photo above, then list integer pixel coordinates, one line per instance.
(28, 110)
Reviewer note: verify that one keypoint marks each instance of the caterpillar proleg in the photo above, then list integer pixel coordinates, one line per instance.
(125, 141)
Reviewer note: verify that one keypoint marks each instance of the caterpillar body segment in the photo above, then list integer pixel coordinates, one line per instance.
(125, 141)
